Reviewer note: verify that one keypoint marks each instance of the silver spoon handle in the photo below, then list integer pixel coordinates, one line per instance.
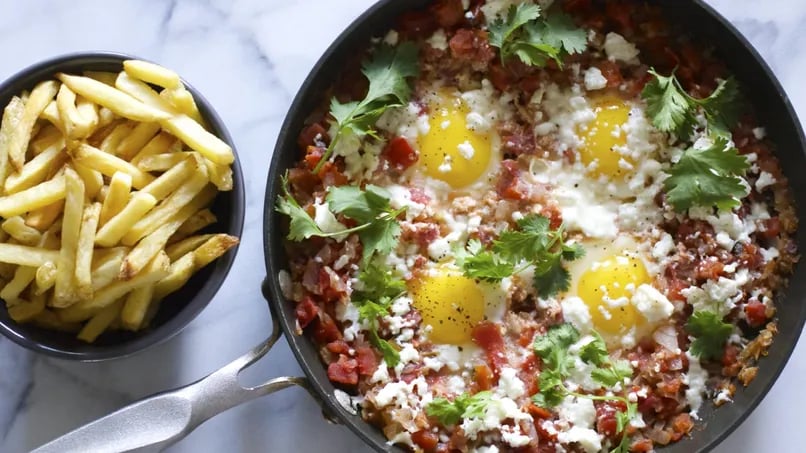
(154, 423)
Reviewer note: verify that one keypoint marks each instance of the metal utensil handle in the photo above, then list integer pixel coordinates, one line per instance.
(154, 423)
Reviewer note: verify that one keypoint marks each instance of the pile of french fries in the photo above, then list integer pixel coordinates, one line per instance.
(105, 184)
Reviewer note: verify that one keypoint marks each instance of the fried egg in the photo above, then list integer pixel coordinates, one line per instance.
(452, 304)
(603, 140)
(603, 289)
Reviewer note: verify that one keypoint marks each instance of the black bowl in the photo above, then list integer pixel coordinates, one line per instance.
(704, 23)
(178, 309)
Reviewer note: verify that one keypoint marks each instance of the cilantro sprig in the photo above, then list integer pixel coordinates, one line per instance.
(386, 72)
(377, 227)
(463, 406)
(711, 176)
(553, 349)
(379, 288)
(534, 243)
(710, 333)
(535, 40)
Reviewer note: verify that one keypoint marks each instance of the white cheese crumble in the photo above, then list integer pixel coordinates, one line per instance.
(619, 49)
(326, 221)
(576, 312)
(580, 413)
(765, 180)
(495, 412)
(759, 133)
(438, 40)
(509, 385)
(466, 150)
(445, 166)
(594, 80)
(695, 379)
(652, 304)
(720, 295)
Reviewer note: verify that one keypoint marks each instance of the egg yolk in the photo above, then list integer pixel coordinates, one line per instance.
(603, 135)
(450, 151)
(451, 304)
(607, 281)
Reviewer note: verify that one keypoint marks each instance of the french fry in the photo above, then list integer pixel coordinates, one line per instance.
(108, 164)
(40, 97)
(89, 113)
(65, 289)
(152, 73)
(179, 273)
(43, 218)
(22, 233)
(100, 322)
(27, 310)
(23, 276)
(156, 270)
(106, 266)
(136, 140)
(212, 249)
(47, 136)
(161, 162)
(111, 142)
(135, 307)
(169, 181)
(12, 116)
(74, 124)
(220, 175)
(37, 169)
(116, 227)
(84, 250)
(161, 143)
(25, 255)
(196, 222)
(33, 198)
(115, 100)
(181, 99)
(105, 117)
(185, 246)
(117, 196)
(93, 179)
(180, 125)
(45, 277)
(166, 209)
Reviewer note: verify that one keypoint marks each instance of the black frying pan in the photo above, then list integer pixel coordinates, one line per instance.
(762, 89)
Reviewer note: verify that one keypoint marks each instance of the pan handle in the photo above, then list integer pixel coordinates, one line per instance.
(154, 423)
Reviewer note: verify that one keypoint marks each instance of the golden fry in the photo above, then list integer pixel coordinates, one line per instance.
(116, 227)
(43, 218)
(102, 76)
(117, 196)
(93, 179)
(25, 255)
(161, 162)
(37, 169)
(33, 198)
(136, 140)
(185, 246)
(181, 99)
(180, 272)
(220, 175)
(100, 322)
(12, 115)
(22, 233)
(45, 277)
(152, 73)
(115, 100)
(106, 266)
(66, 291)
(84, 250)
(27, 310)
(40, 97)
(161, 143)
(134, 310)
(212, 249)
(23, 276)
(111, 142)
(108, 164)
(195, 223)
(169, 181)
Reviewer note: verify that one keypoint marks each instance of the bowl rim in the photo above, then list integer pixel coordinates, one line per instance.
(174, 325)
(310, 363)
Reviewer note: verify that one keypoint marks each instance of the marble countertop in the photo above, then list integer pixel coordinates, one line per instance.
(240, 54)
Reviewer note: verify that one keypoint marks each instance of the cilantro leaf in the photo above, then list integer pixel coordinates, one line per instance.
(534, 40)
(370, 207)
(463, 406)
(378, 282)
(390, 354)
(623, 419)
(387, 73)
(535, 243)
(552, 391)
(672, 109)
(553, 347)
(710, 333)
(707, 177)
(613, 373)
(595, 352)
(302, 226)
(379, 287)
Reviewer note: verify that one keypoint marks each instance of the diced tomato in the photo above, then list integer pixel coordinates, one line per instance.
(510, 185)
(709, 270)
(611, 72)
(331, 286)
(483, 377)
(642, 446)
(313, 155)
(772, 228)
(400, 153)
(620, 13)
(537, 411)
(344, 371)
(606, 417)
(526, 337)
(367, 360)
(418, 195)
(325, 330)
(331, 175)
(426, 439)
(448, 13)
(488, 336)
(499, 76)
(310, 135)
(338, 347)
(528, 373)
(471, 45)
(302, 180)
(755, 312)
(306, 311)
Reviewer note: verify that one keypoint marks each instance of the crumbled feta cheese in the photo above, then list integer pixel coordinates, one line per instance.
(759, 133)
(466, 150)
(652, 304)
(576, 312)
(619, 49)
(587, 438)
(347, 312)
(445, 166)
(496, 411)
(769, 254)
(326, 221)
(438, 40)
(720, 295)
(695, 379)
(401, 306)
(510, 385)
(381, 374)
(512, 436)
(391, 38)
(663, 247)
(764, 180)
(580, 413)
(594, 80)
